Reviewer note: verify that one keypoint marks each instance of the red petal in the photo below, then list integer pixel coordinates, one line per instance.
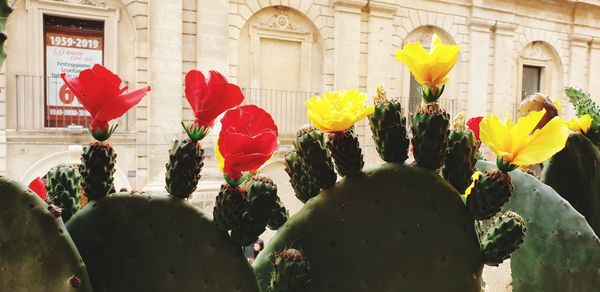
(39, 187)
(237, 163)
(113, 79)
(235, 143)
(249, 119)
(119, 105)
(76, 87)
(473, 124)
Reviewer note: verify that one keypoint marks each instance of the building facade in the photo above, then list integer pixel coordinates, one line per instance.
(281, 52)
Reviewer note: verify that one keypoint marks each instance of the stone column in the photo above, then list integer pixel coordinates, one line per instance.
(212, 30)
(594, 87)
(164, 101)
(479, 52)
(579, 52)
(347, 44)
(503, 92)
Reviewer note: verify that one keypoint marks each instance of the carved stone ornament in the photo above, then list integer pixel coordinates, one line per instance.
(97, 3)
(280, 20)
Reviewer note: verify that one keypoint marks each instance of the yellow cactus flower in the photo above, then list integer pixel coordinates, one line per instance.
(557, 104)
(337, 111)
(219, 157)
(514, 144)
(476, 175)
(431, 68)
(582, 124)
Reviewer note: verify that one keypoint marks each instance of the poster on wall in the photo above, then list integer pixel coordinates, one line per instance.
(69, 52)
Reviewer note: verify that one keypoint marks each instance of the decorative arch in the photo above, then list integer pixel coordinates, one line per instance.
(423, 34)
(242, 13)
(71, 156)
(544, 55)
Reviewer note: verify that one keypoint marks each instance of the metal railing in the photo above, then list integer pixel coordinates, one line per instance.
(287, 107)
(45, 102)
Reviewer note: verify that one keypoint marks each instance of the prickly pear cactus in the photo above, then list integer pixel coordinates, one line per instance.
(97, 168)
(136, 242)
(36, 252)
(585, 105)
(186, 159)
(63, 183)
(290, 272)
(393, 214)
(574, 173)
(5, 11)
(561, 252)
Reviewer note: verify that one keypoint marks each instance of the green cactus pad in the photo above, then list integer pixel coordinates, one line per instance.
(97, 169)
(430, 137)
(395, 228)
(504, 237)
(461, 159)
(388, 125)
(290, 272)
(304, 185)
(346, 152)
(310, 145)
(135, 242)
(574, 173)
(63, 183)
(36, 252)
(561, 253)
(183, 169)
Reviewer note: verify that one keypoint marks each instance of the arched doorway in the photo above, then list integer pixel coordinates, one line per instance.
(280, 64)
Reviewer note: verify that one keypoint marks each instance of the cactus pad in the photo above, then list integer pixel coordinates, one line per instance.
(388, 125)
(97, 169)
(183, 169)
(414, 234)
(304, 185)
(574, 173)
(430, 136)
(63, 183)
(36, 252)
(133, 242)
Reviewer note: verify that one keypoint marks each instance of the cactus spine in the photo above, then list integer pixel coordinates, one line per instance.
(310, 146)
(388, 125)
(63, 183)
(97, 168)
(585, 105)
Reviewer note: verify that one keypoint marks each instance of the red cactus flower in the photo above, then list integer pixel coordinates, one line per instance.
(247, 140)
(209, 97)
(38, 186)
(98, 90)
(473, 124)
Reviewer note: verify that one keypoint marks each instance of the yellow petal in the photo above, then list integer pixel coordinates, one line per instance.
(476, 175)
(557, 104)
(585, 122)
(338, 110)
(525, 125)
(219, 157)
(544, 143)
(495, 134)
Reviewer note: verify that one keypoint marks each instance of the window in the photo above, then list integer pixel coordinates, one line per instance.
(531, 80)
(71, 46)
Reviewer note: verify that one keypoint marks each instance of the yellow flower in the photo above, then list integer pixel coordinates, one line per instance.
(557, 104)
(219, 157)
(337, 111)
(514, 144)
(582, 124)
(431, 68)
(476, 175)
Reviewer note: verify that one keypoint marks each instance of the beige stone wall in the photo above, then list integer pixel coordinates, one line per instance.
(341, 44)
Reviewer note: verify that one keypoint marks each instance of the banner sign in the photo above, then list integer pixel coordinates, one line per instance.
(69, 53)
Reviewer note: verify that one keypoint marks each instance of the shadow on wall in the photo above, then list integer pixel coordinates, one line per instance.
(70, 156)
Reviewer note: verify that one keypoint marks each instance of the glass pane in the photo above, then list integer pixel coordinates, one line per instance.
(531, 80)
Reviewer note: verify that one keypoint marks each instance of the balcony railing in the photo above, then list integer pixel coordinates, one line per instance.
(287, 107)
(45, 102)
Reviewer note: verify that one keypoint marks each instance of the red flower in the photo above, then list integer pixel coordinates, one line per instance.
(98, 90)
(38, 186)
(210, 97)
(473, 124)
(247, 140)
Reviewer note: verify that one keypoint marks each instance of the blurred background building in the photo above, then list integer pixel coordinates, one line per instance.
(281, 52)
